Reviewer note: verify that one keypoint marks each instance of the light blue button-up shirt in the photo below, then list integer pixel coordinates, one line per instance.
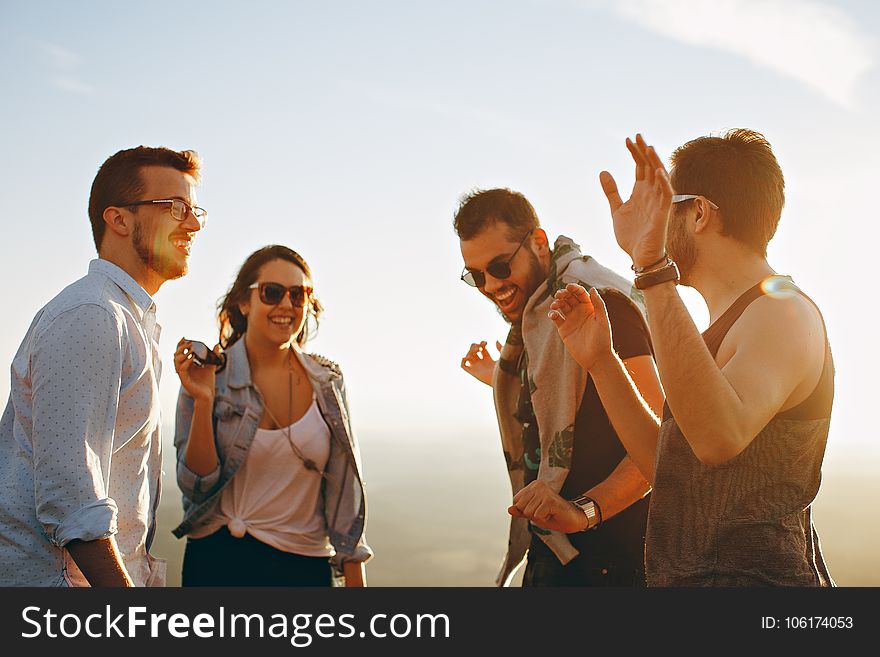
(80, 451)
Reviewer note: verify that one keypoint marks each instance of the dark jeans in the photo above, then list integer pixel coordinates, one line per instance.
(223, 560)
(544, 569)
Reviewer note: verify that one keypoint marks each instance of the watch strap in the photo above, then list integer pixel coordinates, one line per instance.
(588, 506)
(662, 275)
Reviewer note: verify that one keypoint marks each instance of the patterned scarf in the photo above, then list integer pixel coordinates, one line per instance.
(557, 385)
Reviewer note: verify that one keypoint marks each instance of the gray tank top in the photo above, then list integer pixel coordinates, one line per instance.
(746, 522)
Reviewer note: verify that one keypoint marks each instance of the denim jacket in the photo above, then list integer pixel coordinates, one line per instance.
(238, 407)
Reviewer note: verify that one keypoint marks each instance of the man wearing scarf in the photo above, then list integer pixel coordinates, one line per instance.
(554, 430)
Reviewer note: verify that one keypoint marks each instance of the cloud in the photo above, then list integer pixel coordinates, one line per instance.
(810, 41)
(72, 85)
(506, 128)
(60, 58)
(63, 65)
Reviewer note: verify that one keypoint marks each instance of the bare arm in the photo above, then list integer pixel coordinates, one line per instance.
(546, 508)
(774, 345)
(629, 482)
(200, 455)
(721, 410)
(630, 392)
(635, 422)
(626, 485)
(100, 562)
(355, 574)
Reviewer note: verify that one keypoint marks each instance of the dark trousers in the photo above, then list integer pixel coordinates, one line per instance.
(223, 560)
(544, 569)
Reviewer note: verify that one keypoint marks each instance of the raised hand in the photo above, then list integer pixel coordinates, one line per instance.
(479, 363)
(582, 322)
(197, 380)
(640, 223)
(546, 508)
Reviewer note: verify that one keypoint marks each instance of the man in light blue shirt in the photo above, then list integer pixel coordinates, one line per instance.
(80, 451)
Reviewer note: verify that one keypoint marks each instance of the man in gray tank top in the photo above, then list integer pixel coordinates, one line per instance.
(736, 459)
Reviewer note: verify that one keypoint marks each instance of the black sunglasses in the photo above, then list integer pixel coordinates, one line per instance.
(203, 355)
(500, 270)
(273, 293)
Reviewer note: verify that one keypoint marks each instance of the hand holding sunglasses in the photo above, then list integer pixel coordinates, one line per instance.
(191, 362)
(203, 355)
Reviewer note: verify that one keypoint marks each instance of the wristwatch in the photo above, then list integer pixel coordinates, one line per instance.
(590, 509)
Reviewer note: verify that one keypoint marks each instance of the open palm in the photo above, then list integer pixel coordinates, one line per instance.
(582, 322)
(640, 223)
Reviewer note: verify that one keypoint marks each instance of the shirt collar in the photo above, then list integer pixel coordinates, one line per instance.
(314, 369)
(143, 301)
(237, 363)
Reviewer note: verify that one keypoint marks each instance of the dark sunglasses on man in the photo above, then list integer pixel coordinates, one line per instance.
(273, 293)
(499, 270)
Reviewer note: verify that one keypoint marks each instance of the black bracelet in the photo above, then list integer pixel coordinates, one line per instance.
(640, 270)
(669, 272)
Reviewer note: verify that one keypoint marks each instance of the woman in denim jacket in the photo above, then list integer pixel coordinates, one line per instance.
(266, 456)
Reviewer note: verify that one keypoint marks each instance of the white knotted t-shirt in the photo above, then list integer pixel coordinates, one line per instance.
(274, 497)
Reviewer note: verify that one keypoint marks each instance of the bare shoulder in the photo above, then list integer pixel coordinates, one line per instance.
(786, 323)
(788, 312)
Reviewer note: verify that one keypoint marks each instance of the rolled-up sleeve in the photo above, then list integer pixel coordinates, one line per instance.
(76, 366)
(194, 487)
(362, 553)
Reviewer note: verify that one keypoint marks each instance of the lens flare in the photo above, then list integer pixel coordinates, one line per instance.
(779, 287)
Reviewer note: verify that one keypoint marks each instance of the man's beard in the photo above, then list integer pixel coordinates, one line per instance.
(533, 281)
(153, 259)
(680, 247)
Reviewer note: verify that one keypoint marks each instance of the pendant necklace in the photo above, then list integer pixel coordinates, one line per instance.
(307, 462)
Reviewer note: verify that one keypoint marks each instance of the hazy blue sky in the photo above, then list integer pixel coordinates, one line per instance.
(348, 130)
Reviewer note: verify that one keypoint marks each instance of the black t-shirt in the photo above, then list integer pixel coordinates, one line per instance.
(597, 451)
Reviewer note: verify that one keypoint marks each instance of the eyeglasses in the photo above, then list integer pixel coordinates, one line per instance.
(179, 209)
(273, 293)
(500, 270)
(678, 198)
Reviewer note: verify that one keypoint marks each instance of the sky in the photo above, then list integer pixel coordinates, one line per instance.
(349, 130)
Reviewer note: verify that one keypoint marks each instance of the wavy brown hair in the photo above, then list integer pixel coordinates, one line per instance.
(233, 323)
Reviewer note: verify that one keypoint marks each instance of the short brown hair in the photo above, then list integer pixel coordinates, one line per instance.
(233, 323)
(119, 179)
(739, 173)
(481, 208)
